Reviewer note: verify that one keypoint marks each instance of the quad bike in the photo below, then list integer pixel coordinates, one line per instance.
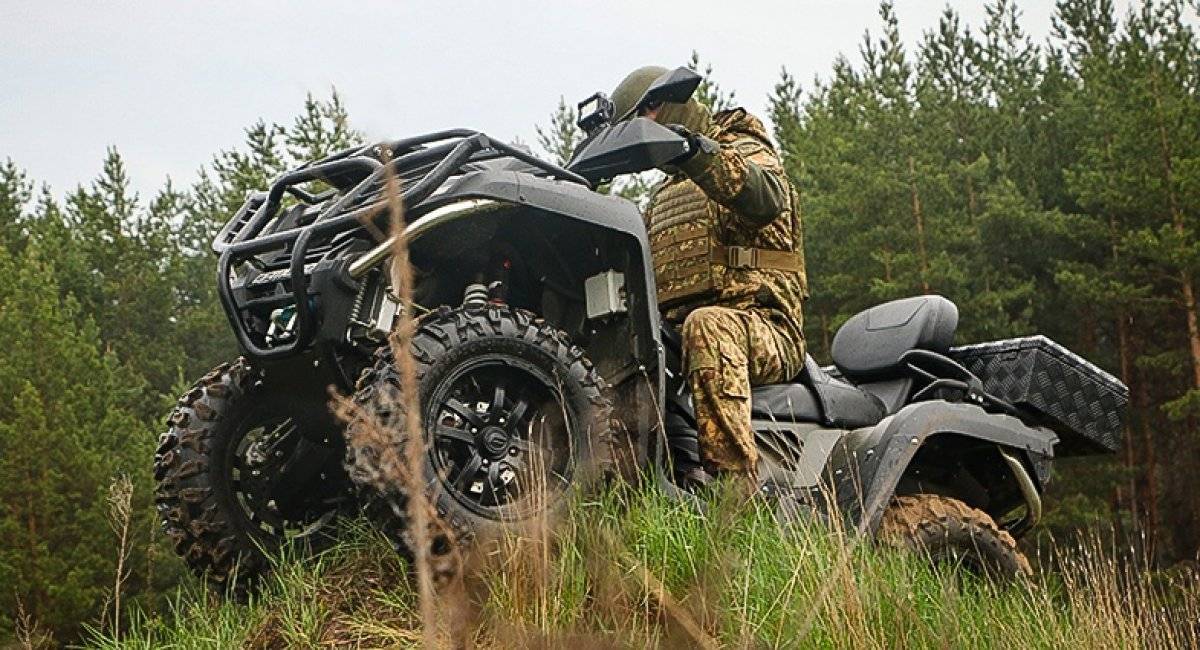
(542, 363)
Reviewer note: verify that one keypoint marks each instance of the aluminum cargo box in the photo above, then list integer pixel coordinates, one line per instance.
(1080, 402)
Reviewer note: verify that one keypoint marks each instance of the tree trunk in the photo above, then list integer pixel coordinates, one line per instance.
(1087, 331)
(1130, 458)
(1125, 355)
(1151, 475)
(1193, 328)
(36, 594)
(1187, 288)
(919, 218)
(825, 332)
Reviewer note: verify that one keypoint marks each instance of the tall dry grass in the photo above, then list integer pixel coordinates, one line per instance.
(631, 568)
(401, 448)
(120, 519)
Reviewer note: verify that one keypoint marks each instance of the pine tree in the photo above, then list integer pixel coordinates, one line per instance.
(123, 272)
(785, 104)
(558, 141)
(321, 129)
(709, 92)
(15, 194)
(67, 425)
(110, 304)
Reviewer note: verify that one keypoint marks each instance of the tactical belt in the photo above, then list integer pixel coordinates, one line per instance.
(745, 257)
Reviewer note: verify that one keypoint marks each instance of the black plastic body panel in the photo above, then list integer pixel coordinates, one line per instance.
(573, 201)
(1079, 401)
(562, 200)
(865, 473)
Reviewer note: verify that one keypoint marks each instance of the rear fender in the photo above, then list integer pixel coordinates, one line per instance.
(866, 472)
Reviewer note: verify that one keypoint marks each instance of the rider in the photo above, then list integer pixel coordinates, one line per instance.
(728, 250)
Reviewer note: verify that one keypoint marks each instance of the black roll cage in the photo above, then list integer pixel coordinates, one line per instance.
(357, 173)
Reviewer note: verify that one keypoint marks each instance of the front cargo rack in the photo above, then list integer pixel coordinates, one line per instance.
(286, 246)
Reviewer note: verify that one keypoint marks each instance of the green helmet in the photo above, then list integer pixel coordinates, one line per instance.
(628, 95)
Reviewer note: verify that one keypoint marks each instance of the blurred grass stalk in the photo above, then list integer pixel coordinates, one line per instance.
(120, 517)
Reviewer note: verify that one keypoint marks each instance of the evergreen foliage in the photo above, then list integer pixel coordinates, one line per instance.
(68, 424)
(558, 141)
(1044, 188)
(108, 308)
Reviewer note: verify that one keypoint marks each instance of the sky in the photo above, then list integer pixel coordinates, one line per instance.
(171, 82)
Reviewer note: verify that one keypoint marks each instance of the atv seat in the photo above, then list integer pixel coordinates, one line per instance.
(784, 402)
(816, 397)
(871, 345)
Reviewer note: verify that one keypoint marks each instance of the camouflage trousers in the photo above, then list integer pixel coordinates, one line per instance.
(725, 352)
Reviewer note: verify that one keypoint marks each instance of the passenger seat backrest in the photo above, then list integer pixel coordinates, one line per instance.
(869, 345)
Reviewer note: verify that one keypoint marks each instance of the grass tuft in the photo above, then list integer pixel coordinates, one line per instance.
(632, 568)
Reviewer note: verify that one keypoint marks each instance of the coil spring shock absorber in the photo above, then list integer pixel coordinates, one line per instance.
(475, 295)
(481, 292)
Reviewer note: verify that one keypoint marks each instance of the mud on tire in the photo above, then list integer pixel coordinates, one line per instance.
(950, 531)
(204, 505)
(478, 372)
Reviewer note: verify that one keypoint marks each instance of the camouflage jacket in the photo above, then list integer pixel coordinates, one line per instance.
(710, 223)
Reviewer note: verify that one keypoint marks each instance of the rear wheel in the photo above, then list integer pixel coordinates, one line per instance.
(241, 470)
(953, 534)
(513, 417)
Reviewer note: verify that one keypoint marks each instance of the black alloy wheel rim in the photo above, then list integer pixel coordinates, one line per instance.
(500, 437)
(265, 444)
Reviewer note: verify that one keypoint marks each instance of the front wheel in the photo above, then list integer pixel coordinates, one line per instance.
(513, 417)
(953, 534)
(243, 469)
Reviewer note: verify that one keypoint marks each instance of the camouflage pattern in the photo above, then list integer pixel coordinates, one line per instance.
(742, 325)
(727, 351)
(738, 196)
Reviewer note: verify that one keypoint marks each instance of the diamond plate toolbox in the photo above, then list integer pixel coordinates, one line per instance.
(1080, 402)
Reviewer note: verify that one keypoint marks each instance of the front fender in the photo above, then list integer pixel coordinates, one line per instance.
(865, 475)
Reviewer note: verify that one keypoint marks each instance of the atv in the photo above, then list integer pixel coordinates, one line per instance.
(542, 363)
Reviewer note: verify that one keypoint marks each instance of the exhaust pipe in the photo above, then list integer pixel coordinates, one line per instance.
(373, 257)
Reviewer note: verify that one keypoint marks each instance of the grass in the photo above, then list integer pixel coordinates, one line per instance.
(632, 568)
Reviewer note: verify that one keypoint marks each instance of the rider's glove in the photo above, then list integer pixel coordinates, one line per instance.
(696, 144)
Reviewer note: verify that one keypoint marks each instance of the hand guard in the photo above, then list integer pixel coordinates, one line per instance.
(696, 143)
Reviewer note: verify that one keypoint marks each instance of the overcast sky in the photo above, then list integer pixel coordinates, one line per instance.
(171, 82)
